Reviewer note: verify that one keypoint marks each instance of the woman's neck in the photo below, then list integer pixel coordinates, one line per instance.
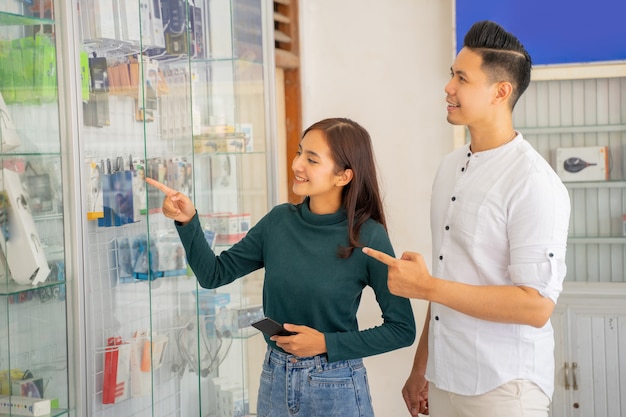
(319, 205)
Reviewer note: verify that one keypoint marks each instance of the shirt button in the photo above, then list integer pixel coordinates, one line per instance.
(453, 198)
(437, 318)
(469, 154)
(441, 257)
(551, 255)
(447, 227)
(293, 360)
(463, 169)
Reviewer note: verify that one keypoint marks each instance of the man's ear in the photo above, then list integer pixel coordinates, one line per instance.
(504, 90)
(345, 177)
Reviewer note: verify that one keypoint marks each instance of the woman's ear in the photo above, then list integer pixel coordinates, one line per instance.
(344, 178)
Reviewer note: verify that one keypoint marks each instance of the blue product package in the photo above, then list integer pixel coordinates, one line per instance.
(107, 196)
(121, 197)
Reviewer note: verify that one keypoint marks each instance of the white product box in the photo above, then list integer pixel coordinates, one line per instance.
(147, 354)
(105, 20)
(140, 382)
(25, 256)
(590, 163)
(24, 406)
(9, 139)
(232, 402)
(151, 24)
(128, 16)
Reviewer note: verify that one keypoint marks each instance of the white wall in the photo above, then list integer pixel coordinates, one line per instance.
(384, 65)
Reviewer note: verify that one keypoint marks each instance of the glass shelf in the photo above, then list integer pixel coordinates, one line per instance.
(225, 59)
(116, 47)
(10, 19)
(12, 288)
(53, 413)
(12, 155)
(246, 333)
(208, 154)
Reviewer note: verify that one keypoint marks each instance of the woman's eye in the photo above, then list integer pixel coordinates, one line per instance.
(312, 161)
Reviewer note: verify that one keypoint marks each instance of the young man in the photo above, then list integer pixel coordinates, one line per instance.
(499, 219)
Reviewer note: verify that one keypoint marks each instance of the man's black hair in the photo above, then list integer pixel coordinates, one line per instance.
(504, 56)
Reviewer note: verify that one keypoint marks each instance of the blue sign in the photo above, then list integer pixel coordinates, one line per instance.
(554, 31)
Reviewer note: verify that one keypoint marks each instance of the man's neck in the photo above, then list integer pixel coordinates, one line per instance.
(485, 139)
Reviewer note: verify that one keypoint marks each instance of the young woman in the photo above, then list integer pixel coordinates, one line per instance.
(314, 277)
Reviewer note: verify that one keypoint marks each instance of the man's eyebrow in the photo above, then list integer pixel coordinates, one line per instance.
(458, 72)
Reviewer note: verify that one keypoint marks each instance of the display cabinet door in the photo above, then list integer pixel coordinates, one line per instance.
(34, 365)
(175, 91)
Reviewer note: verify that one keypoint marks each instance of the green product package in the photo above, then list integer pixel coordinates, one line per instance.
(18, 73)
(45, 73)
(85, 82)
(6, 72)
(27, 47)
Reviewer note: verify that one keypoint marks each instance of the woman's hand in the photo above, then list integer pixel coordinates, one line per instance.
(176, 206)
(307, 342)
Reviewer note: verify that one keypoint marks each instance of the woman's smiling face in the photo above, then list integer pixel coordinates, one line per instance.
(315, 172)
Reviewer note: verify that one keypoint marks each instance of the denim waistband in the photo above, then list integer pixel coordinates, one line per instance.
(281, 358)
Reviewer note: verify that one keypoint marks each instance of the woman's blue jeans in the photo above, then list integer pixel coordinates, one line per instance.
(313, 387)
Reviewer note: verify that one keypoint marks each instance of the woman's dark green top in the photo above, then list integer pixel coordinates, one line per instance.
(306, 283)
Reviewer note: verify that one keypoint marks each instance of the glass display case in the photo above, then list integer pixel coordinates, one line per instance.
(177, 91)
(34, 374)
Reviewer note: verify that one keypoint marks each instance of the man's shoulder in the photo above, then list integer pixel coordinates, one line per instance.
(529, 156)
(455, 154)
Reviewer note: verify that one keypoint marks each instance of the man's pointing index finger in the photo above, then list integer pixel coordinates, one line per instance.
(380, 256)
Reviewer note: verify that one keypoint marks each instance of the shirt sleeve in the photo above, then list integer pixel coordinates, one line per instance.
(398, 327)
(215, 271)
(537, 228)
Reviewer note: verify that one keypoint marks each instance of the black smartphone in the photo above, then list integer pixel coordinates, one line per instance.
(271, 327)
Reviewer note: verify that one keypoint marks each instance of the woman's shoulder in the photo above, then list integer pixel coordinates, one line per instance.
(285, 207)
(373, 229)
(282, 210)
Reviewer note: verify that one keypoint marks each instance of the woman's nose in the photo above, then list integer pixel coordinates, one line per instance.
(295, 164)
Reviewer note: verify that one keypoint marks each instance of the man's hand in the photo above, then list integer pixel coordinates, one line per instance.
(408, 276)
(176, 205)
(415, 394)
